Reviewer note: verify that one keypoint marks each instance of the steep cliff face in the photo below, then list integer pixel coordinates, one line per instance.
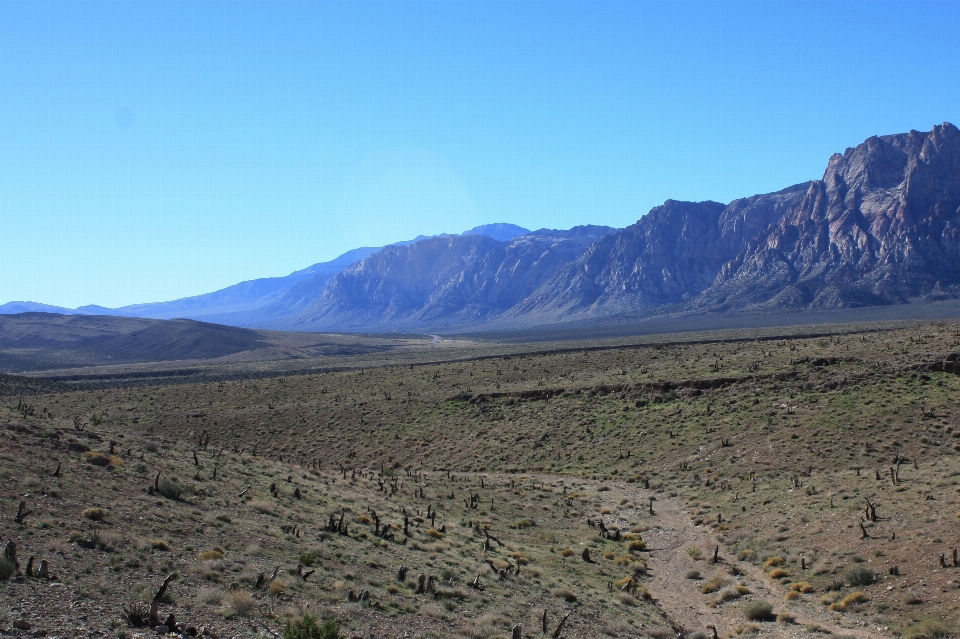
(881, 227)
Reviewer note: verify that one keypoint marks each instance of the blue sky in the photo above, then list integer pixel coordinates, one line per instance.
(153, 150)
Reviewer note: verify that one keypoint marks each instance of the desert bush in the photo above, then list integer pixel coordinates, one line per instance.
(159, 544)
(436, 534)
(525, 523)
(715, 584)
(792, 595)
(241, 602)
(929, 629)
(101, 459)
(95, 514)
(802, 586)
(773, 562)
(136, 613)
(778, 573)
(757, 610)
(636, 545)
(860, 576)
(851, 600)
(171, 488)
(730, 593)
(307, 558)
(747, 555)
(691, 574)
(786, 617)
(566, 552)
(694, 552)
(211, 555)
(307, 628)
(564, 594)
(210, 596)
(277, 587)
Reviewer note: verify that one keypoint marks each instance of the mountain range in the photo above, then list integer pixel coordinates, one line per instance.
(881, 227)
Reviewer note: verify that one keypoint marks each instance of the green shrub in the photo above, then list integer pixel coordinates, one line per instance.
(757, 611)
(171, 489)
(307, 628)
(860, 576)
(308, 558)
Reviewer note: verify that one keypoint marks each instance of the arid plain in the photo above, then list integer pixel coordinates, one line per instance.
(790, 482)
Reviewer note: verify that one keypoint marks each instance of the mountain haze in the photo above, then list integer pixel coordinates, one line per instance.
(880, 227)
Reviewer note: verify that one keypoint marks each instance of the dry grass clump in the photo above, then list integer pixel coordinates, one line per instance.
(265, 507)
(792, 595)
(636, 545)
(802, 586)
(778, 573)
(773, 562)
(95, 514)
(211, 555)
(102, 459)
(786, 617)
(565, 594)
(488, 625)
(277, 587)
(715, 584)
(695, 552)
(747, 555)
(566, 552)
(210, 596)
(929, 629)
(158, 544)
(436, 534)
(851, 600)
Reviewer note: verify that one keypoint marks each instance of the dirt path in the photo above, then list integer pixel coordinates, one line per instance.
(681, 599)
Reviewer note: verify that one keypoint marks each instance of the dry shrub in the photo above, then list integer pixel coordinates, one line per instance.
(802, 586)
(436, 534)
(715, 584)
(778, 573)
(564, 594)
(636, 546)
(851, 600)
(95, 514)
(102, 459)
(609, 555)
(158, 544)
(773, 562)
(929, 629)
(240, 602)
(566, 552)
(211, 555)
(277, 587)
(786, 617)
(487, 626)
(210, 596)
(792, 595)
(747, 555)
(265, 507)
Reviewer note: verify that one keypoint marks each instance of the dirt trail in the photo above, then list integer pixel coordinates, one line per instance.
(681, 599)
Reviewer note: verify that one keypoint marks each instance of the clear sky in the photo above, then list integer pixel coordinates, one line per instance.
(153, 150)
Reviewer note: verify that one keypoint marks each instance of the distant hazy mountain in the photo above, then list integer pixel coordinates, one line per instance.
(264, 302)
